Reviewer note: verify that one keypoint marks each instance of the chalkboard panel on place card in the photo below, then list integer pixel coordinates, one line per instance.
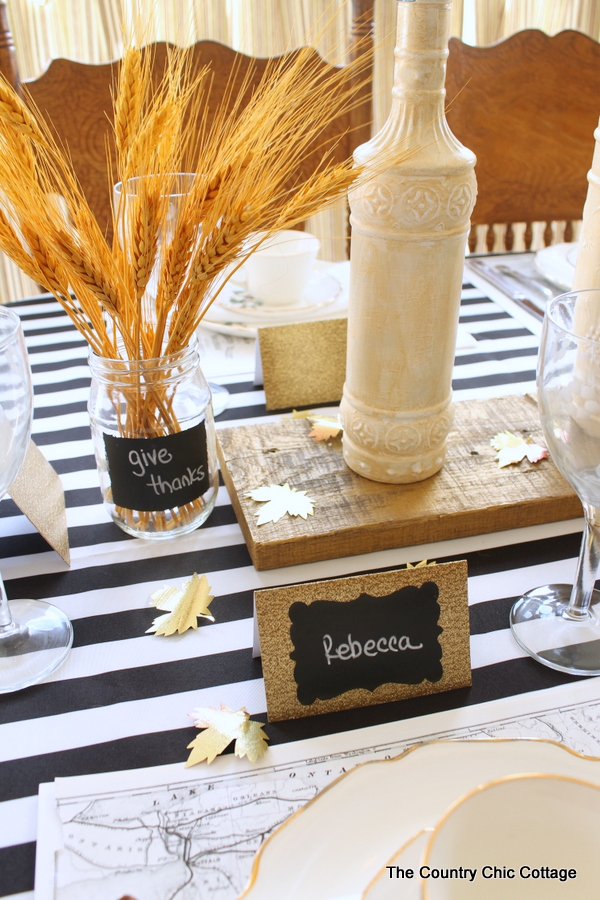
(150, 474)
(362, 640)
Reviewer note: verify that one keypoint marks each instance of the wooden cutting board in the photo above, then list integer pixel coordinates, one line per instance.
(470, 495)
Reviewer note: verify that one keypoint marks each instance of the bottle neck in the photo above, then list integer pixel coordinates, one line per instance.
(421, 51)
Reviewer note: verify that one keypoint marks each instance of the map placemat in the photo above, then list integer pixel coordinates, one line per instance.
(105, 836)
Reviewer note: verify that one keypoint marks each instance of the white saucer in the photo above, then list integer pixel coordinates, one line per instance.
(557, 263)
(237, 313)
(321, 291)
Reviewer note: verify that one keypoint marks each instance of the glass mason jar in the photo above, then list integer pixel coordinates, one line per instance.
(154, 440)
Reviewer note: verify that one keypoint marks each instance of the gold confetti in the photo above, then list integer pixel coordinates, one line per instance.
(511, 449)
(222, 726)
(280, 499)
(184, 606)
(324, 428)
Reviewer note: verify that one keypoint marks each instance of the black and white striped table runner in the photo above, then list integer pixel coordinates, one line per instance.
(122, 698)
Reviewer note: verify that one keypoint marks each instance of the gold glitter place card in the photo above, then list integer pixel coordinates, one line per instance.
(38, 492)
(303, 364)
(363, 640)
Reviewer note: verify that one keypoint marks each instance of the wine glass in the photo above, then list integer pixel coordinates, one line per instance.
(559, 624)
(35, 637)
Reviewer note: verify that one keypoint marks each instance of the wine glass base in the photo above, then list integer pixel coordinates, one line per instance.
(540, 627)
(38, 646)
(220, 398)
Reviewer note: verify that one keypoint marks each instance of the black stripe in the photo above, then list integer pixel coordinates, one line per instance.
(491, 615)
(241, 387)
(54, 584)
(77, 464)
(513, 677)
(49, 412)
(485, 317)
(475, 301)
(463, 384)
(54, 348)
(467, 359)
(249, 412)
(498, 335)
(39, 299)
(36, 332)
(139, 683)
(59, 386)
(56, 366)
(17, 865)
(83, 433)
(33, 317)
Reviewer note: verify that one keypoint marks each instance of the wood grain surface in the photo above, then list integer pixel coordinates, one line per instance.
(470, 495)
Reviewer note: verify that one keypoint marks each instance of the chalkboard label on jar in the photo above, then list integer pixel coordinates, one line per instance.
(149, 474)
(348, 642)
(365, 643)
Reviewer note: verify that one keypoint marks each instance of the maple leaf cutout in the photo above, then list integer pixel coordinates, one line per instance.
(324, 428)
(511, 449)
(280, 499)
(184, 606)
(222, 726)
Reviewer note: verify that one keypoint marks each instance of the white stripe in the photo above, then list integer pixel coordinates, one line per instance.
(514, 582)
(18, 824)
(494, 647)
(149, 650)
(111, 553)
(69, 450)
(60, 423)
(60, 398)
(60, 356)
(86, 727)
(56, 376)
(68, 336)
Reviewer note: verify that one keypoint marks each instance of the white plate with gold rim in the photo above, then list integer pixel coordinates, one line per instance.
(535, 837)
(335, 846)
(392, 885)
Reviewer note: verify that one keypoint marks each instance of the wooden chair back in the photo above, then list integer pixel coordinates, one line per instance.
(76, 99)
(527, 107)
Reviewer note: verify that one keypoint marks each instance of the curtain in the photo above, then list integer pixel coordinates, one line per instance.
(497, 19)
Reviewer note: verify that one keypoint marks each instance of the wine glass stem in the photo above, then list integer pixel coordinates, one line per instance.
(7, 626)
(587, 565)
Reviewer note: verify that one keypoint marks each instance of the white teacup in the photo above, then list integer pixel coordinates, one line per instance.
(278, 272)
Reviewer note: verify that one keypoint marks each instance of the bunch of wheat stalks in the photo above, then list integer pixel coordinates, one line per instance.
(244, 162)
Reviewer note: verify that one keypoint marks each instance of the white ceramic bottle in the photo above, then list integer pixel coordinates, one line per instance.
(409, 229)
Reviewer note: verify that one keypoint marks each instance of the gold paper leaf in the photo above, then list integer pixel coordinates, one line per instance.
(252, 742)
(511, 449)
(185, 606)
(324, 428)
(206, 746)
(223, 726)
(420, 565)
(280, 499)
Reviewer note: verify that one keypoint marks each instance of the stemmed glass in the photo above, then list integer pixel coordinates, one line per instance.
(559, 624)
(35, 637)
